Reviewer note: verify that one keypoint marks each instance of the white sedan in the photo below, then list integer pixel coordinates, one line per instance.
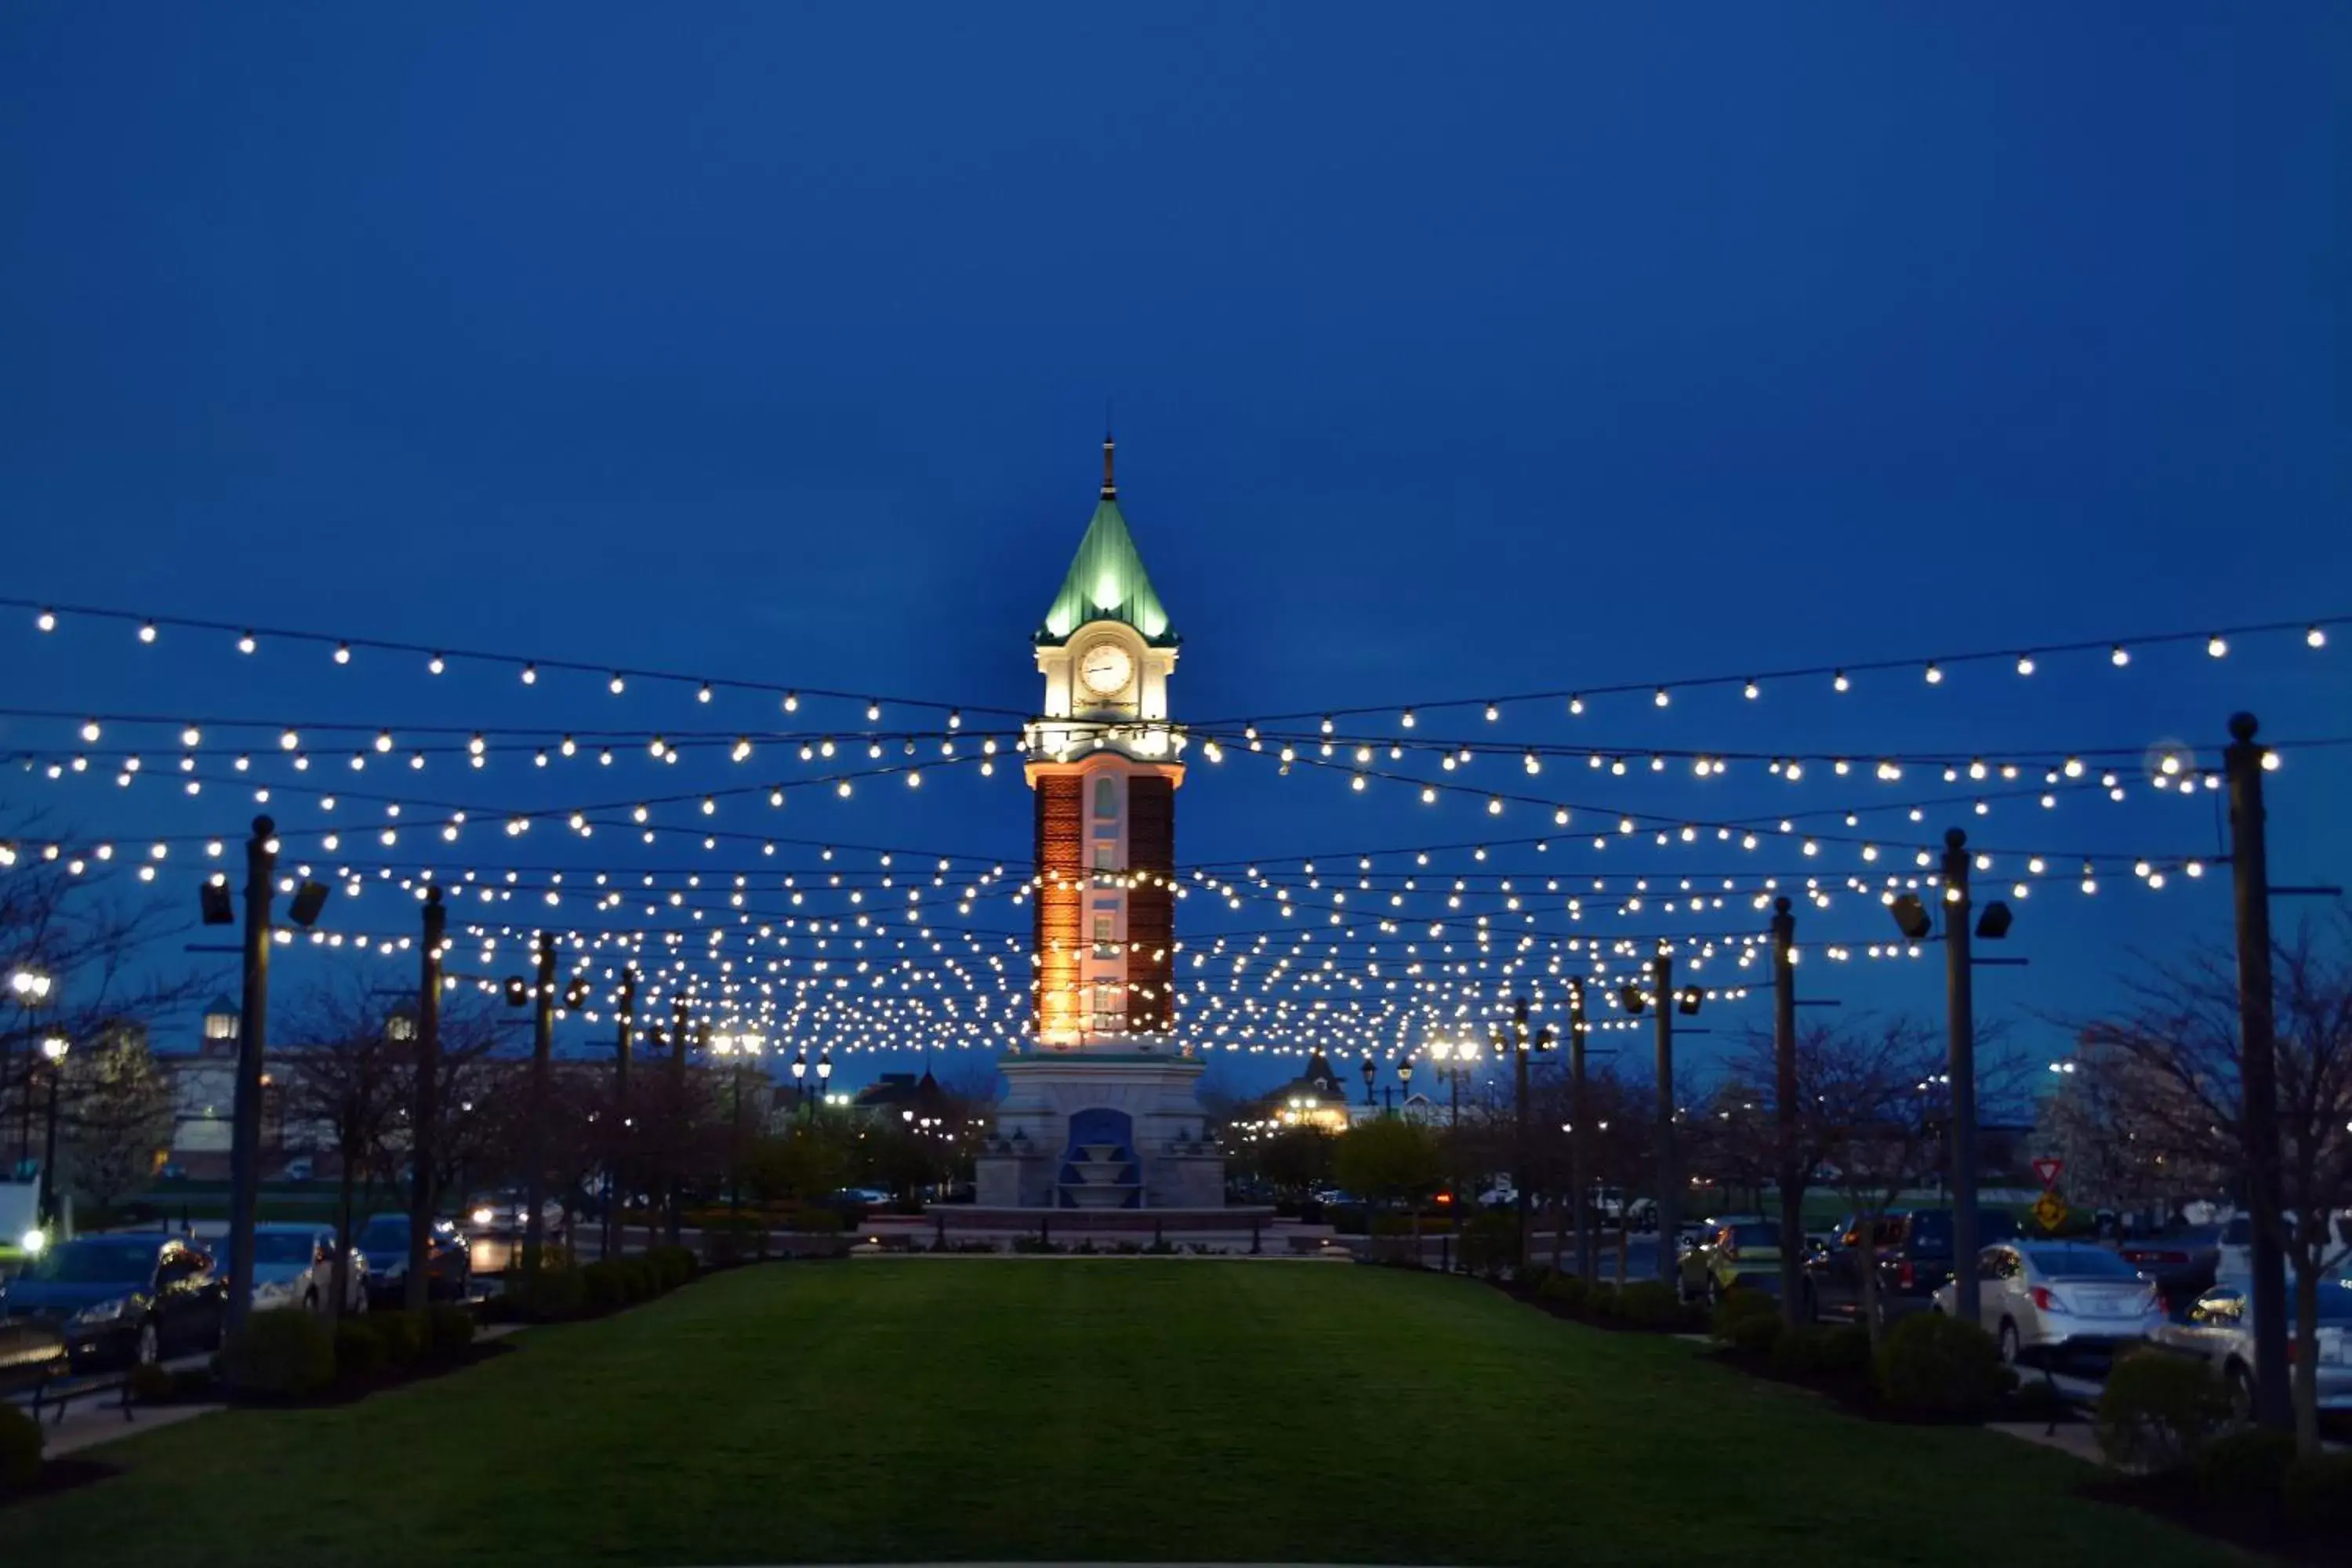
(294, 1266)
(2052, 1297)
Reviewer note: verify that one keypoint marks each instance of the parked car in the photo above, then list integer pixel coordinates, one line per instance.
(1912, 1256)
(448, 1263)
(2183, 1263)
(294, 1266)
(2220, 1330)
(1742, 1252)
(122, 1299)
(2053, 1299)
(2234, 1255)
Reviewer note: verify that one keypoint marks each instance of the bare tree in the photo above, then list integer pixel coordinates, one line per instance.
(119, 1120)
(2167, 1069)
(346, 1080)
(74, 923)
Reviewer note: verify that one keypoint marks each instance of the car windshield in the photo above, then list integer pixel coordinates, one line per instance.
(97, 1262)
(1755, 1233)
(384, 1235)
(281, 1246)
(1931, 1229)
(2080, 1263)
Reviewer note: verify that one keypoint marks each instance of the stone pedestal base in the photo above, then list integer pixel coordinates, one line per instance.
(1099, 1131)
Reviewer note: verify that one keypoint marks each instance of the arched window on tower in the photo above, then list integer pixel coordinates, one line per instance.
(1106, 798)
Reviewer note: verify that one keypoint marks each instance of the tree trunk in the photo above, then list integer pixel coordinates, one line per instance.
(338, 1278)
(2306, 1358)
(1866, 1279)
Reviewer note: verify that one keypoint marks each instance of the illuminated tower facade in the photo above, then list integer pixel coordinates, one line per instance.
(1102, 1110)
(1102, 761)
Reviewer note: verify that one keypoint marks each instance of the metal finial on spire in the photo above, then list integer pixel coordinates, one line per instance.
(1110, 484)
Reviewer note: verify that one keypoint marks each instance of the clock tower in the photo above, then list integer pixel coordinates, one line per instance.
(1102, 761)
(1102, 1110)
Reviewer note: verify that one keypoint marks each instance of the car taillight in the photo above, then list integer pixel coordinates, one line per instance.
(1904, 1275)
(2041, 1297)
(2293, 1350)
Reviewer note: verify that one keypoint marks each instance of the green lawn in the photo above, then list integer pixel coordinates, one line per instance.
(929, 1409)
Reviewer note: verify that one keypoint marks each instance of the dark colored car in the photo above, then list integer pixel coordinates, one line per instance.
(2182, 1262)
(122, 1299)
(383, 1242)
(1914, 1256)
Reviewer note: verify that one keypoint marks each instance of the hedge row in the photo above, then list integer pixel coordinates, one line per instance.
(293, 1353)
(560, 1291)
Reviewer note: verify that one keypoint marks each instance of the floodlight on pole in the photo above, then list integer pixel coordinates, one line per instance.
(310, 900)
(1911, 916)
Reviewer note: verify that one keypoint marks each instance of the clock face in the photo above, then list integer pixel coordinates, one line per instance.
(1106, 670)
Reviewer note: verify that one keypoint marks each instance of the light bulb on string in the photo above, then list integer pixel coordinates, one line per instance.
(47, 621)
(2314, 637)
(147, 631)
(2025, 664)
(247, 643)
(2119, 656)
(1839, 682)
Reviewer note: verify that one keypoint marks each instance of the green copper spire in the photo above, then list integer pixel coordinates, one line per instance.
(1107, 582)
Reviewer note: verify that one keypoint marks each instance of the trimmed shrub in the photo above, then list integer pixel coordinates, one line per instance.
(2319, 1491)
(403, 1336)
(1756, 1333)
(20, 1450)
(151, 1384)
(1738, 1306)
(1653, 1304)
(1490, 1243)
(2160, 1411)
(448, 1330)
(359, 1353)
(603, 1286)
(1816, 1352)
(819, 1222)
(1534, 1275)
(554, 1293)
(2247, 1466)
(1568, 1290)
(672, 1266)
(1939, 1367)
(284, 1353)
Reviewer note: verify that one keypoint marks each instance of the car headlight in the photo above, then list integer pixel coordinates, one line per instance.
(102, 1312)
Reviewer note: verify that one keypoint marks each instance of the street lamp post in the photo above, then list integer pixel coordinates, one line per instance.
(53, 1051)
(1579, 1113)
(1371, 1072)
(30, 987)
(252, 1043)
(800, 1082)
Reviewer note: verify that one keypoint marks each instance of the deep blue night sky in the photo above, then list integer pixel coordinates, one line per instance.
(1452, 354)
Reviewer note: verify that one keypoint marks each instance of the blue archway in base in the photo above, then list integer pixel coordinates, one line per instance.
(1100, 1125)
